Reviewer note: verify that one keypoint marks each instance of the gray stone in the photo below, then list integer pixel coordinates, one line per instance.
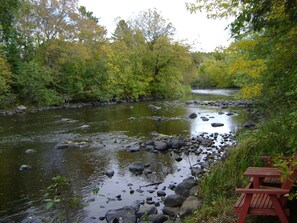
(249, 124)
(193, 115)
(161, 193)
(136, 167)
(21, 108)
(146, 209)
(171, 211)
(160, 146)
(126, 214)
(184, 187)
(217, 124)
(174, 200)
(158, 218)
(109, 173)
(189, 206)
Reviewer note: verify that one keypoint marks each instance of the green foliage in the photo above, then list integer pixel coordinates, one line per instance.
(35, 85)
(61, 200)
(5, 78)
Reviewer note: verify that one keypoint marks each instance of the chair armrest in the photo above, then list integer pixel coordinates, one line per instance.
(262, 191)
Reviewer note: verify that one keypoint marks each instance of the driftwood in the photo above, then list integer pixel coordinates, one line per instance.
(152, 184)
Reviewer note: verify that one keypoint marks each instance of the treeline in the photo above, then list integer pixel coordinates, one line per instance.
(54, 52)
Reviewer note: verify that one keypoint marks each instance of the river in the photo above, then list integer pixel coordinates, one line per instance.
(107, 130)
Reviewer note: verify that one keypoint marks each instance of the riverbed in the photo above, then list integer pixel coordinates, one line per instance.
(101, 135)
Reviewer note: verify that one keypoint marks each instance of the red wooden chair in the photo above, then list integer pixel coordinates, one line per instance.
(265, 200)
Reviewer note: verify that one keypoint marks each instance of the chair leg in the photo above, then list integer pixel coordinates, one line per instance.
(279, 209)
(245, 208)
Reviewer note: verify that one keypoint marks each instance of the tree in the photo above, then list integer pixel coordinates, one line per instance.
(35, 85)
(5, 78)
(153, 26)
(8, 34)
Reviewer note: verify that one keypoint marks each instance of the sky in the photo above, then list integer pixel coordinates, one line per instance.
(195, 29)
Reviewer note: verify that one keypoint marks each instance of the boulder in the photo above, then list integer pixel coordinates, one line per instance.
(158, 218)
(137, 167)
(160, 146)
(21, 108)
(174, 200)
(184, 187)
(133, 148)
(126, 214)
(249, 124)
(190, 205)
(177, 143)
(146, 210)
(193, 115)
(171, 211)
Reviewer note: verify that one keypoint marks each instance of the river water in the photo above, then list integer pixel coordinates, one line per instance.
(107, 130)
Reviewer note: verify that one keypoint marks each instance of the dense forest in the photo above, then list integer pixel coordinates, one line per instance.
(55, 52)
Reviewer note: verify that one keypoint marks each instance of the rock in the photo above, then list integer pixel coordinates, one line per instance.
(177, 143)
(190, 205)
(153, 107)
(193, 115)
(217, 124)
(230, 113)
(71, 144)
(171, 211)
(160, 146)
(193, 191)
(205, 142)
(161, 193)
(149, 148)
(21, 108)
(171, 186)
(249, 124)
(184, 187)
(109, 173)
(158, 218)
(24, 167)
(126, 214)
(136, 167)
(133, 148)
(30, 151)
(174, 200)
(146, 209)
(178, 159)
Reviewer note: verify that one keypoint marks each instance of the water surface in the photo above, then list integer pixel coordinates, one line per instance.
(107, 130)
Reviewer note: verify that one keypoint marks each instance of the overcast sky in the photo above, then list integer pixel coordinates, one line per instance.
(195, 29)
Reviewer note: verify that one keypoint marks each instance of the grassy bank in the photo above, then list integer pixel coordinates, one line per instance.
(217, 190)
